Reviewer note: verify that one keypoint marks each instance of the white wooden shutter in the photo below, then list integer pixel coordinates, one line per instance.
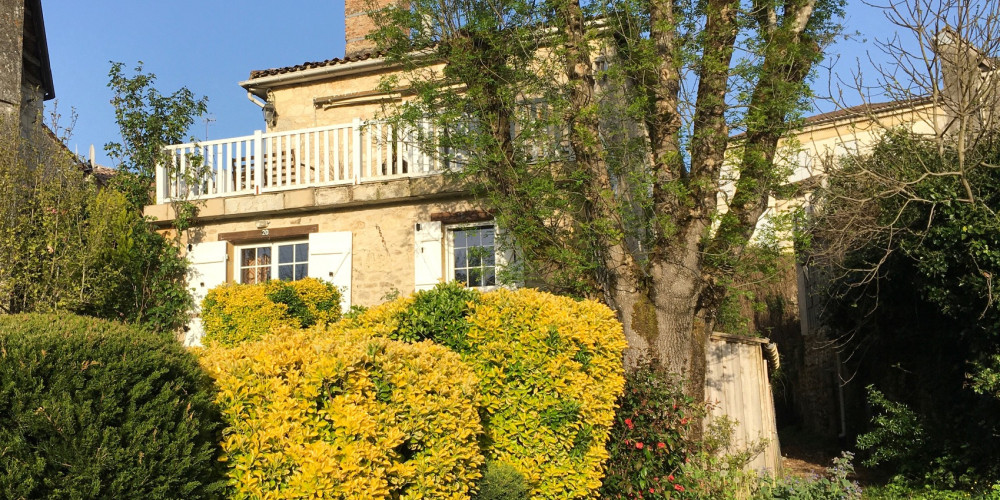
(206, 271)
(427, 255)
(330, 260)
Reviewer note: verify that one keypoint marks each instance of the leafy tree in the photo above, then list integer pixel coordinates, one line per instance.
(148, 122)
(77, 246)
(597, 132)
(912, 300)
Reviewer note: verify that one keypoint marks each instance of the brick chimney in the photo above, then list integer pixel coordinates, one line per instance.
(357, 24)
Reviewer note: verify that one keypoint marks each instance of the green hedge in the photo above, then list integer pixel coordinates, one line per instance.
(90, 408)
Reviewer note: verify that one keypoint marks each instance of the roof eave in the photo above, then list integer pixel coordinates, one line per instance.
(260, 85)
(43, 47)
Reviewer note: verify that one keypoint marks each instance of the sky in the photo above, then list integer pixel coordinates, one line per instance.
(209, 46)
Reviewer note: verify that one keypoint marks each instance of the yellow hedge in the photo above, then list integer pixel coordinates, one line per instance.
(234, 313)
(335, 413)
(549, 372)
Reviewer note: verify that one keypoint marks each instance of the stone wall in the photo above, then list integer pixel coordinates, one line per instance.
(11, 43)
(383, 240)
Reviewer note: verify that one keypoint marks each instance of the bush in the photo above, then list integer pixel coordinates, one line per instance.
(94, 409)
(439, 315)
(502, 482)
(234, 313)
(335, 413)
(549, 371)
(834, 486)
(647, 443)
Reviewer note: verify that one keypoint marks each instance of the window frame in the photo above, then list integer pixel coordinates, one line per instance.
(449, 246)
(273, 245)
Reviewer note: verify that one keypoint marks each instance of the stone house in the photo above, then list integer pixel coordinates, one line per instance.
(326, 191)
(25, 74)
(965, 103)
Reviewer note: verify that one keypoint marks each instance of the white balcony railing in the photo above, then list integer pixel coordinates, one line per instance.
(353, 153)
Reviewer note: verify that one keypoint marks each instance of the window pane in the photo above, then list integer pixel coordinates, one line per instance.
(462, 276)
(247, 256)
(263, 274)
(491, 276)
(475, 277)
(472, 238)
(264, 258)
(489, 257)
(247, 275)
(487, 236)
(301, 271)
(285, 254)
(460, 260)
(475, 256)
(285, 273)
(302, 252)
(459, 238)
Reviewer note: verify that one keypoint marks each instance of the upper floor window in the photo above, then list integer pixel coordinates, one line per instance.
(287, 261)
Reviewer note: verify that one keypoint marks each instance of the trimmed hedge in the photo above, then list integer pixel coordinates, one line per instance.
(549, 372)
(91, 408)
(233, 313)
(335, 413)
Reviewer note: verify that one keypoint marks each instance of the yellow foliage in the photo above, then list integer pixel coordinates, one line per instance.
(337, 413)
(234, 313)
(550, 370)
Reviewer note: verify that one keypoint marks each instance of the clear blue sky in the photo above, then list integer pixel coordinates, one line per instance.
(210, 46)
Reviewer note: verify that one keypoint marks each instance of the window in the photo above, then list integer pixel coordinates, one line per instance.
(257, 262)
(472, 255)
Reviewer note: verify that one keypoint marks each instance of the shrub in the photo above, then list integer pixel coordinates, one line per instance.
(234, 313)
(336, 413)
(501, 482)
(647, 444)
(439, 315)
(94, 409)
(834, 486)
(549, 371)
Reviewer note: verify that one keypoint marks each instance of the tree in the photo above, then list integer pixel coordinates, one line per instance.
(74, 245)
(906, 233)
(597, 133)
(924, 328)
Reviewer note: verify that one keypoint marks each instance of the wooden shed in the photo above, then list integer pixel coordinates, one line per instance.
(737, 384)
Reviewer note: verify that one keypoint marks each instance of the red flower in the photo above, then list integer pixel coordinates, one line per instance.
(684, 421)
(651, 490)
(660, 446)
(670, 478)
(628, 422)
(638, 445)
(678, 487)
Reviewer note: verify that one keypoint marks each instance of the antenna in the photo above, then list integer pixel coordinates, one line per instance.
(208, 119)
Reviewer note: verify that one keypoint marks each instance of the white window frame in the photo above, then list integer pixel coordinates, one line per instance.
(238, 264)
(498, 261)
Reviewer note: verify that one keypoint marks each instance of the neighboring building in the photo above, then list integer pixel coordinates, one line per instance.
(25, 75)
(966, 101)
(327, 193)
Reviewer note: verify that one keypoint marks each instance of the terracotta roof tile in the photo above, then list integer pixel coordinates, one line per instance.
(260, 73)
(862, 110)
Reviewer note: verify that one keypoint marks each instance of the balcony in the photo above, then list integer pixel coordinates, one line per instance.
(338, 155)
